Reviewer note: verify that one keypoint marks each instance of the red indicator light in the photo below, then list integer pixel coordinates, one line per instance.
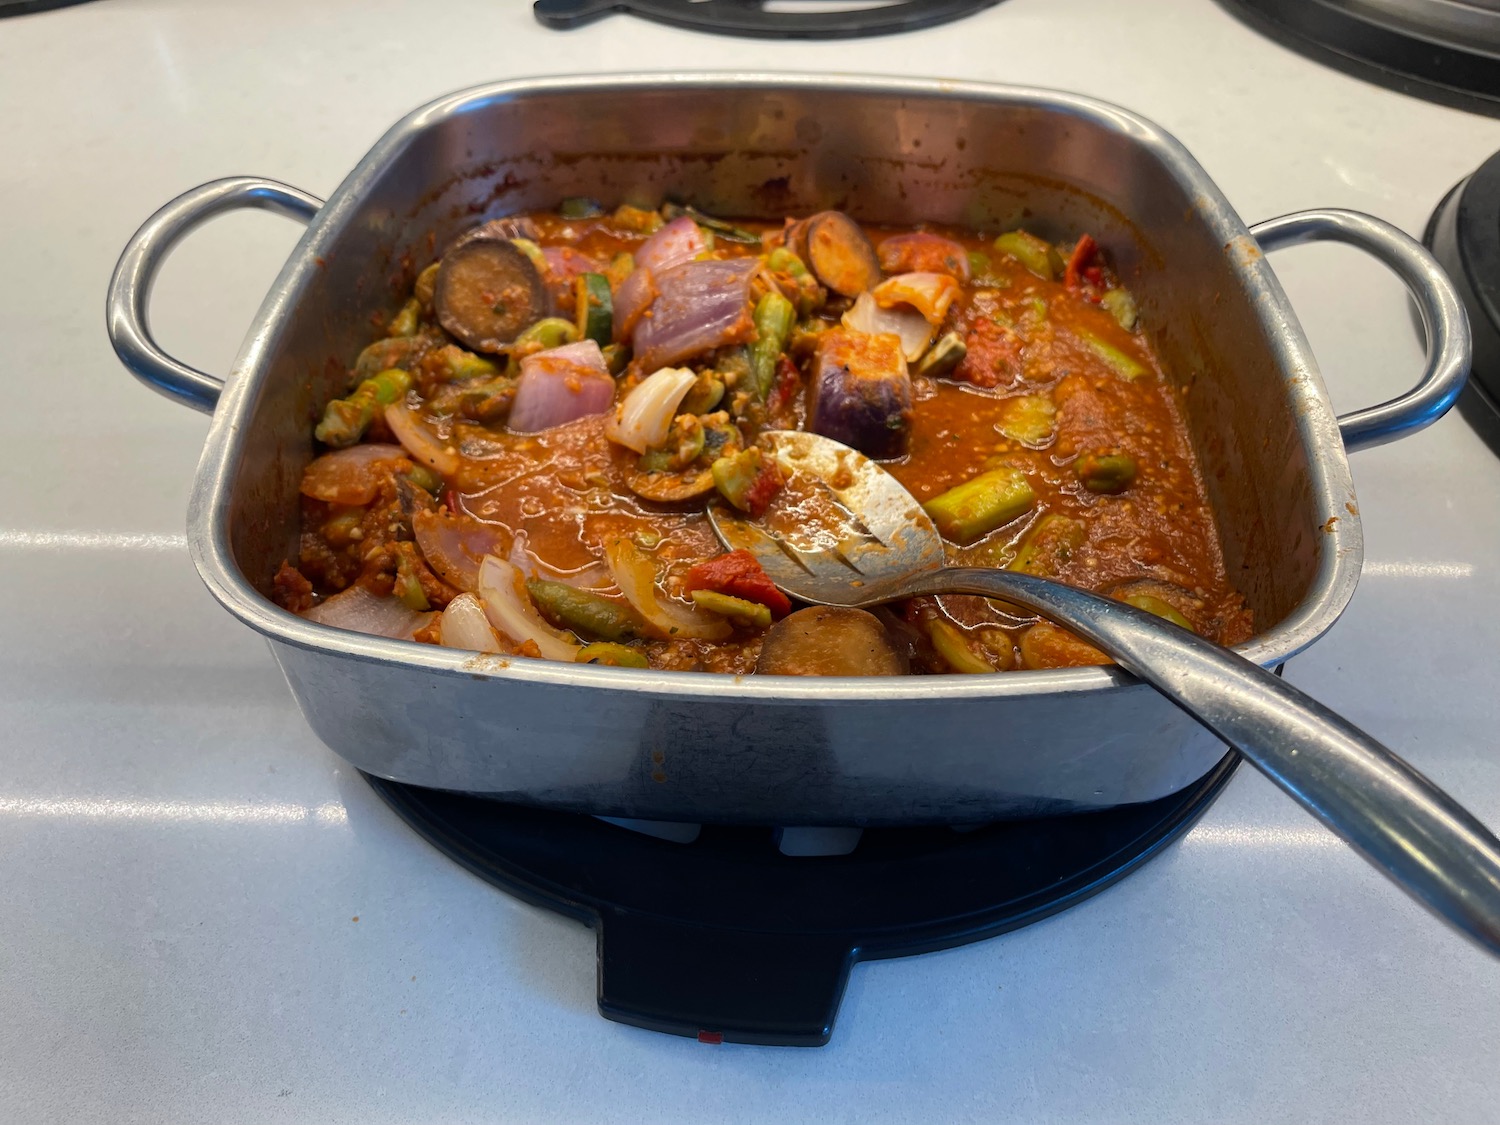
(714, 1037)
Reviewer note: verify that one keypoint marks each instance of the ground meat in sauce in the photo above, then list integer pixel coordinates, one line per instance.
(1054, 381)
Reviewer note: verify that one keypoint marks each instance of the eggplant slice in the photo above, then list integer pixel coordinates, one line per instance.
(826, 641)
(488, 290)
(840, 254)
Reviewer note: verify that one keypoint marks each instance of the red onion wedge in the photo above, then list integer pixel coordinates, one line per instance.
(455, 544)
(677, 242)
(563, 264)
(502, 589)
(420, 443)
(360, 611)
(632, 299)
(701, 306)
(561, 385)
(643, 419)
(351, 476)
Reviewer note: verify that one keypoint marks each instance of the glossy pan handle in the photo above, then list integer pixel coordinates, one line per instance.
(130, 289)
(1449, 345)
(1388, 812)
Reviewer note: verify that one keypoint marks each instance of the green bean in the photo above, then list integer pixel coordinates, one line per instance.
(979, 263)
(1052, 540)
(532, 251)
(614, 655)
(704, 395)
(397, 351)
(636, 219)
(549, 332)
(1106, 473)
(407, 321)
(457, 365)
(339, 531)
(742, 611)
(579, 207)
(1160, 609)
(408, 586)
(1121, 305)
(971, 510)
(1117, 361)
(490, 400)
(1032, 252)
(426, 284)
(735, 475)
(782, 260)
(584, 612)
(429, 480)
(774, 317)
(345, 420)
(954, 647)
(1028, 419)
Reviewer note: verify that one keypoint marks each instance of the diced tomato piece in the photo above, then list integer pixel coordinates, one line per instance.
(740, 576)
(788, 380)
(768, 482)
(1082, 256)
(992, 358)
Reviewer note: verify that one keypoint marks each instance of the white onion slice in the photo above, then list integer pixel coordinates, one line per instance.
(903, 321)
(929, 293)
(465, 626)
(644, 418)
(360, 611)
(635, 575)
(420, 443)
(502, 588)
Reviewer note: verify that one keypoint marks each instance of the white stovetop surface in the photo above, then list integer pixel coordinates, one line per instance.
(209, 918)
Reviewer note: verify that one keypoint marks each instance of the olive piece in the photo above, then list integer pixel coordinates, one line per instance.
(487, 291)
(824, 641)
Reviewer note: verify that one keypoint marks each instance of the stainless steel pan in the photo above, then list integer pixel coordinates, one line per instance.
(827, 751)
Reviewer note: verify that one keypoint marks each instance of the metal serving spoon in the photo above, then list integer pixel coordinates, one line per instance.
(884, 547)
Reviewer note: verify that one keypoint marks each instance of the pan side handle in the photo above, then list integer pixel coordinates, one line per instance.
(130, 288)
(1449, 345)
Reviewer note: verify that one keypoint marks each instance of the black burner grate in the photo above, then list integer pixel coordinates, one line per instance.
(729, 940)
(767, 19)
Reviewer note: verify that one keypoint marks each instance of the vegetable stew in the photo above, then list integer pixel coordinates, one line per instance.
(521, 463)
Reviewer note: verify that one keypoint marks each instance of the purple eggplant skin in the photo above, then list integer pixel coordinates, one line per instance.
(860, 392)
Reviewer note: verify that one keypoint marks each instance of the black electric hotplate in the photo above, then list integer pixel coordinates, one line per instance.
(1446, 51)
(841, 19)
(726, 939)
(1464, 235)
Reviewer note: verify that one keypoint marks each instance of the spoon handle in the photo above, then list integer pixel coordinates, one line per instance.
(1397, 819)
